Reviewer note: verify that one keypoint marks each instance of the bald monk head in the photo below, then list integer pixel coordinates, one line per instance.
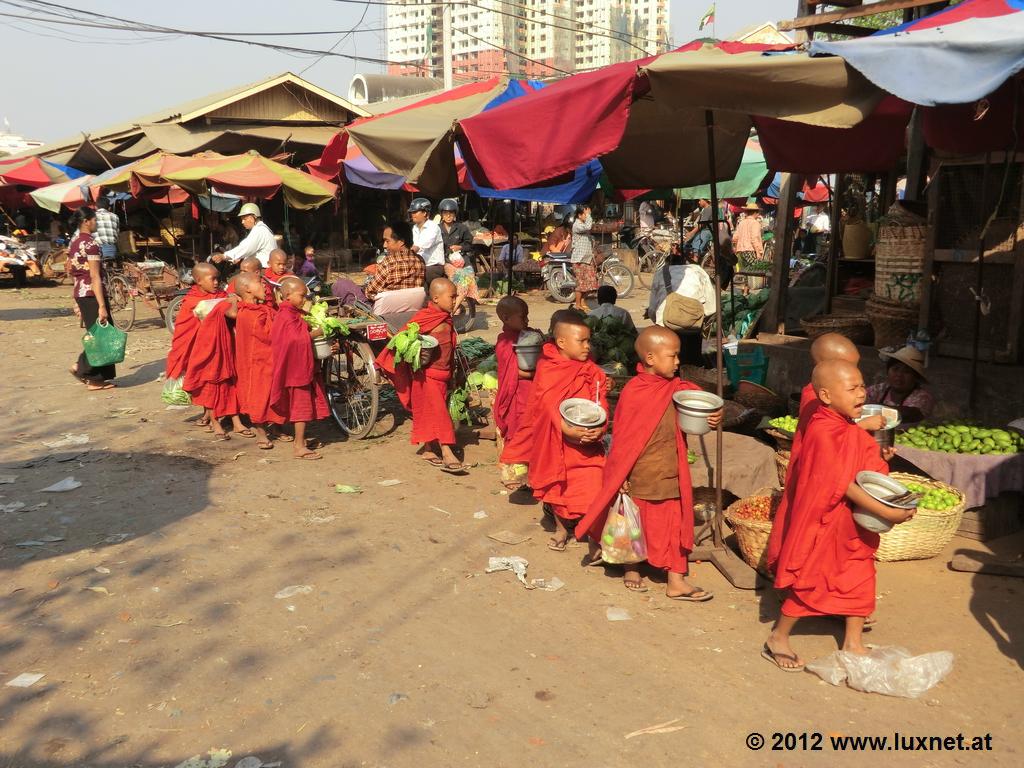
(840, 386)
(293, 291)
(571, 335)
(250, 264)
(249, 287)
(278, 261)
(658, 350)
(513, 313)
(834, 346)
(206, 277)
(443, 294)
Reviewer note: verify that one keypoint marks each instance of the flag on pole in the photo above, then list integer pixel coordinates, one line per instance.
(707, 18)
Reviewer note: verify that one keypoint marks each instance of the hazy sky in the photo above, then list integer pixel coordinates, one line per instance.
(60, 80)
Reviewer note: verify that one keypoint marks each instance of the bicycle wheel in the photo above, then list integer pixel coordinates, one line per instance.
(618, 277)
(646, 258)
(171, 312)
(120, 303)
(352, 390)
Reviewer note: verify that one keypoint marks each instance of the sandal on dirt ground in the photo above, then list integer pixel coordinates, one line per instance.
(245, 433)
(769, 655)
(308, 456)
(202, 421)
(100, 387)
(635, 586)
(592, 562)
(284, 438)
(557, 546)
(434, 461)
(454, 469)
(221, 438)
(695, 595)
(265, 445)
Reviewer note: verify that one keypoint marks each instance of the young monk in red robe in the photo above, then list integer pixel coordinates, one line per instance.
(275, 273)
(209, 370)
(648, 461)
(254, 357)
(828, 346)
(566, 462)
(248, 265)
(827, 561)
(425, 392)
(514, 383)
(296, 391)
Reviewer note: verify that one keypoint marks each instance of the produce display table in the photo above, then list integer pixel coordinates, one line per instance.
(748, 465)
(979, 477)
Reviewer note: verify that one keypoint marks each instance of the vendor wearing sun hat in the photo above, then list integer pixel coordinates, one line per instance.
(904, 385)
(748, 244)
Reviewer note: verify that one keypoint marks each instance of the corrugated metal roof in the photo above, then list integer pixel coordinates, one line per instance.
(199, 107)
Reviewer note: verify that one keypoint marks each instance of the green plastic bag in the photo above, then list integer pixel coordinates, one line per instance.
(104, 344)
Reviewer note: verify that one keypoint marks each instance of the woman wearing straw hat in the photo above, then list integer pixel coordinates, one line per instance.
(748, 245)
(903, 387)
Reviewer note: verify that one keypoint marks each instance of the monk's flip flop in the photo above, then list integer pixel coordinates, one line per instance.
(309, 456)
(265, 445)
(433, 461)
(285, 438)
(246, 433)
(592, 562)
(769, 655)
(455, 469)
(221, 438)
(557, 546)
(635, 586)
(692, 596)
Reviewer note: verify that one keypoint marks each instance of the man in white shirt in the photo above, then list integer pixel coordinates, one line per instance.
(427, 240)
(259, 242)
(648, 215)
(606, 296)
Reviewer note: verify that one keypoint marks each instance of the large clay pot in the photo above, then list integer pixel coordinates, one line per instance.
(856, 240)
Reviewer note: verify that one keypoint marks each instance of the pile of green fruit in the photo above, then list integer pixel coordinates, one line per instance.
(961, 438)
(784, 423)
(934, 498)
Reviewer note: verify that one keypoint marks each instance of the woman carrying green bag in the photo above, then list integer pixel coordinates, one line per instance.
(86, 266)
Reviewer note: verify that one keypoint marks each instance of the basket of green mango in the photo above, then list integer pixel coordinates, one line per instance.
(926, 534)
(962, 438)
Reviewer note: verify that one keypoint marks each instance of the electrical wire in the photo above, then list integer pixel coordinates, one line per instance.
(511, 53)
(366, 9)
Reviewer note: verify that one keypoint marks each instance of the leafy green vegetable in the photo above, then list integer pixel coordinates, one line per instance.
(457, 407)
(611, 341)
(317, 317)
(174, 394)
(488, 365)
(476, 348)
(407, 345)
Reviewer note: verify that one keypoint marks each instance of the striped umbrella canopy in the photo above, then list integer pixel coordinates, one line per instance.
(68, 194)
(34, 172)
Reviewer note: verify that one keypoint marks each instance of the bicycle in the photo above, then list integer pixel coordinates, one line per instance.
(561, 282)
(120, 297)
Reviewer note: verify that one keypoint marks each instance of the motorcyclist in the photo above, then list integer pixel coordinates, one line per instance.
(427, 241)
(455, 234)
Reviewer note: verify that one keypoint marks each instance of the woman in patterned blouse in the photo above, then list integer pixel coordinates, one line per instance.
(86, 267)
(583, 256)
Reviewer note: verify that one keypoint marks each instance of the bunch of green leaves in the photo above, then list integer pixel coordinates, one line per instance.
(174, 394)
(458, 408)
(476, 348)
(611, 341)
(407, 345)
(317, 317)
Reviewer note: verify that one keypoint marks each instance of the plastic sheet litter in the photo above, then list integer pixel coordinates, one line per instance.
(292, 591)
(67, 484)
(516, 564)
(617, 614)
(889, 670)
(25, 679)
(68, 440)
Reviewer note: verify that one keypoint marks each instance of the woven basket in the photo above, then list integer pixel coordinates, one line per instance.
(783, 440)
(704, 502)
(856, 328)
(738, 417)
(899, 256)
(751, 535)
(927, 533)
(782, 466)
(704, 378)
(759, 398)
(891, 322)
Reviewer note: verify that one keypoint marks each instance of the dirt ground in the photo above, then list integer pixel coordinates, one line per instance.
(149, 599)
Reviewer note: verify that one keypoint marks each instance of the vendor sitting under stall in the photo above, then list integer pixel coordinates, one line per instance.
(903, 387)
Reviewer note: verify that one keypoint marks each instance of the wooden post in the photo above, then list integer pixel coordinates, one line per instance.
(917, 158)
(775, 312)
(835, 241)
(344, 216)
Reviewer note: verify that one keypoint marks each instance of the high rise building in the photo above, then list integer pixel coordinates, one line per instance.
(526, 38)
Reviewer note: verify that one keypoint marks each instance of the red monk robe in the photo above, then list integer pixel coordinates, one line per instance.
(296, 391)
(186, 325)
(210, 370)
(667, 523)
(254, 362)
(425, 392)
(271, 281)
(565, 475)
(809, 404)
(513, 392)
(826, 560)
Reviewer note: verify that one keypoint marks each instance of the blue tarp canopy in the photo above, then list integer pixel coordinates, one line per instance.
(955, 56)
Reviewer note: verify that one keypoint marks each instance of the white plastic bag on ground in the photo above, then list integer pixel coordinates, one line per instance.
(888, 670)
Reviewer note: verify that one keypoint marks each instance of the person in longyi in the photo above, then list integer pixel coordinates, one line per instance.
(296, 391)
(425, 392)
(254, 357)
(203, 351)
(826, 562)
(566, 461)
(648, 461)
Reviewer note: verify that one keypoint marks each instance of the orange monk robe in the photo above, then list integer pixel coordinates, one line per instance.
(513, 392)
(425, 392)
(210, 372)
(254, 362)
(563, 474)
(186, 326)
(826, 560)
(296, 390)
(667, 523)
(271, 281)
